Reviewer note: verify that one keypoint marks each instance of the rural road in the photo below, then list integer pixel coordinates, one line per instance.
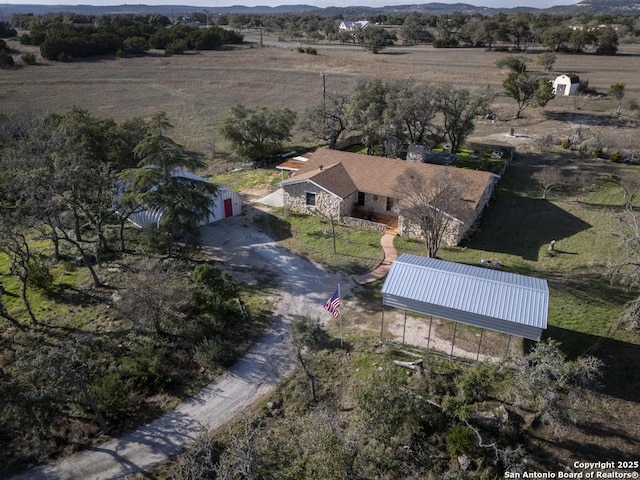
(249, 256)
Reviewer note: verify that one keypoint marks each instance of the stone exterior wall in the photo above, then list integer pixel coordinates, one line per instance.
(294, 198)
(467, 229)
(451, 238)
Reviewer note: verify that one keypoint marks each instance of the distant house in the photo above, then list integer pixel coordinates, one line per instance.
(338, 184)
(223, 205)
(566, 85)
(349, 26)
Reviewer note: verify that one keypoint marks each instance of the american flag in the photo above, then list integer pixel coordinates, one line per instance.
(333, 303)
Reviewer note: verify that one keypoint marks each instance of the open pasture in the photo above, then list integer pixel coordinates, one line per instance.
(197, 90)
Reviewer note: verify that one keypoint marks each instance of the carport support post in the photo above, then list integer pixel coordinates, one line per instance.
(453, 343)
(429, 335)
(479, 345)
(404, 329)
(382, 325)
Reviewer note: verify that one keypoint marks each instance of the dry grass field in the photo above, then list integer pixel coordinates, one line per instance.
(197, 90)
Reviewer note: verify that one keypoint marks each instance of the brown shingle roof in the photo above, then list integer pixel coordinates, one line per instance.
(343, 172)
(333, 178)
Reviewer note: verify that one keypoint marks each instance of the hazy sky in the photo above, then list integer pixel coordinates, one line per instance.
(318, 3)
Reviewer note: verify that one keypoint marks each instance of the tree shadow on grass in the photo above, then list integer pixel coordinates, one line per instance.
(276, 228)
(524, 226)
(584, 118)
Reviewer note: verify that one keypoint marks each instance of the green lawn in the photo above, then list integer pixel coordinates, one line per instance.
(357, 250)
(248, 179)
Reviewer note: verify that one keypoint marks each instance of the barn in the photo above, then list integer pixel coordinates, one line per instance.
(490, 299)
(225, 204)
(565, 85)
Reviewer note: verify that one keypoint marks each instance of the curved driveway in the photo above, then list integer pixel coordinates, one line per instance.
(249, 256)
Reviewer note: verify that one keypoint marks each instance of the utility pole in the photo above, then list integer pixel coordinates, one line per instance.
(324, 93)
(324, 106)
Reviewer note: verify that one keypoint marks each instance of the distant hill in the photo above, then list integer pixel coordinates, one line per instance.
(433, 8)
(610, 6)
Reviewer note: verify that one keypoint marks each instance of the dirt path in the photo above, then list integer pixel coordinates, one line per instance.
(250, 256)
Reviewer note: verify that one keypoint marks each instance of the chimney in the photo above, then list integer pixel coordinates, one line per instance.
(321, 167)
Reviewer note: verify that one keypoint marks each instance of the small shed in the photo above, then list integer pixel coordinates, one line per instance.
(226, 203)
(491, 299)
(566, 85)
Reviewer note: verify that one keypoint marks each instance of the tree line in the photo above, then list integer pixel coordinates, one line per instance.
(568, 33)
(63, 38)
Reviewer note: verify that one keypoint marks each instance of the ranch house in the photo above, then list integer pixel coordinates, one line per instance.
(361, 189)
(350, 26)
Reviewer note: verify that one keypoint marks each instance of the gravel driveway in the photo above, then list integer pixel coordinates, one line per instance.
(252, 257)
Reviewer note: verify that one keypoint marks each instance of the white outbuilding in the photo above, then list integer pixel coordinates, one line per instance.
(226, 203)
(566, 85)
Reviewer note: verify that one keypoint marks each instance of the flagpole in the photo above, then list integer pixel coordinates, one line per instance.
(341, 335)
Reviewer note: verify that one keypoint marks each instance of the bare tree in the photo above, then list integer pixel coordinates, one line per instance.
(545, 375)
(328, 121)
(627, 271)
(630, 183)
(548, 178)
(197, 462)
(307, 336)
(154, 298)
(429, 204)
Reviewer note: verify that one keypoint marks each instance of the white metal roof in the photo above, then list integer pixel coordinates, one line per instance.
(497, 300)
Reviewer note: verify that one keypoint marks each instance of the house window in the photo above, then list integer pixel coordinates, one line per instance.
(311, 199)
(389, 204)
(361, 199)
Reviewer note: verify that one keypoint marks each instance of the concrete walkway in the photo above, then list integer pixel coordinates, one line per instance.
(390, 254)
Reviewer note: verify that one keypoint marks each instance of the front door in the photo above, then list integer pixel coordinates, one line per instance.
(228, 208)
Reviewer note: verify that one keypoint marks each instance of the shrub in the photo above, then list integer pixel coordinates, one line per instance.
(213, 352)
(177, 47)
(6, 60)
(615, 156)
(596, 152)
(114, 395)
(28, 58)
(566, 144)
(311, 51)
(135, 45)
(300, 50)
(145, 364)
(39, 274)
(459, 441)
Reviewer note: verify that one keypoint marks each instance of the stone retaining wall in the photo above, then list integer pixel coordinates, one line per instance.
(360, 222)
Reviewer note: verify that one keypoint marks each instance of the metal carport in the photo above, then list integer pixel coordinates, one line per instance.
(486, 298)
